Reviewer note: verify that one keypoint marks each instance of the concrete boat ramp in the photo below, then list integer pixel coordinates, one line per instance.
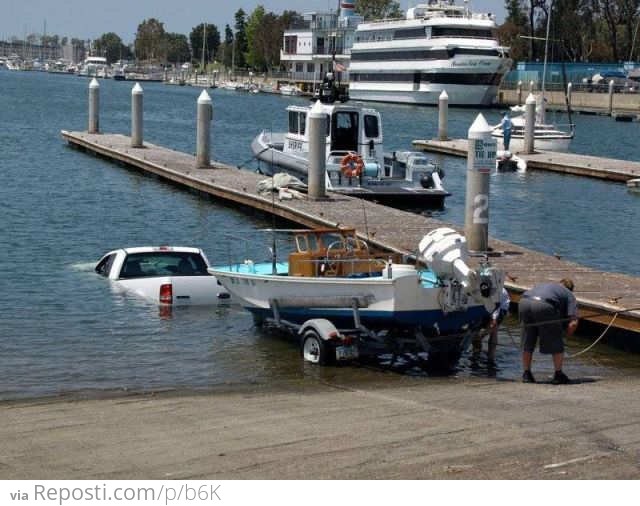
(396, 428)
(603, 297)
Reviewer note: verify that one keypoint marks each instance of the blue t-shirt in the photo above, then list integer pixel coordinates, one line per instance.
(558, 295)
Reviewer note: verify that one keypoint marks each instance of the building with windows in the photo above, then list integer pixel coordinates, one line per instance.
(319, 44)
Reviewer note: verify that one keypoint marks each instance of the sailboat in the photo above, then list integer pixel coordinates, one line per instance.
(547, 136)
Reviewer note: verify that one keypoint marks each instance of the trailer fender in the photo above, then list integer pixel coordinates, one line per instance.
(323, 327)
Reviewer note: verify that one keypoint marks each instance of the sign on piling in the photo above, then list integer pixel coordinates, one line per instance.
(481, 159)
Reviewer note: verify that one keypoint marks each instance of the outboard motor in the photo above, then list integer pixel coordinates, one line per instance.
(432, 179)
(445, 252)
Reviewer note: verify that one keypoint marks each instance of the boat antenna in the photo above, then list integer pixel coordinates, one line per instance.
(274, 255)
(566, 97)
(544, 66)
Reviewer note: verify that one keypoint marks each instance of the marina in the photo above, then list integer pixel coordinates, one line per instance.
(524, 267)
(104, 380)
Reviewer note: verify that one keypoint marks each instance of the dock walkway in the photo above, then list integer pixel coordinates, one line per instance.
(609, 169)
(602, 296)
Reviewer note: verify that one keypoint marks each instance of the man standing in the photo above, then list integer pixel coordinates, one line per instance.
(544, 311)
(506, 125)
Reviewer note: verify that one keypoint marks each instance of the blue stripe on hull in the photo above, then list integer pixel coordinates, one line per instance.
(447, 323)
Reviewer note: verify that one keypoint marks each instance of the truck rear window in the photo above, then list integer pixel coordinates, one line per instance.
(163, 263)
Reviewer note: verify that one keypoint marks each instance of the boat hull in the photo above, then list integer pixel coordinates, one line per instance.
(406, 301)
(459, 95)
(558, 144)
(393, 192)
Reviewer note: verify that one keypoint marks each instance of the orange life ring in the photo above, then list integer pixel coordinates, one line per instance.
(352, 165)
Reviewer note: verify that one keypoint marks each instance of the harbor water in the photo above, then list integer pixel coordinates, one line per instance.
(63, 330)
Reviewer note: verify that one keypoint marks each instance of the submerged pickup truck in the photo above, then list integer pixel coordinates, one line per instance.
(166, 275)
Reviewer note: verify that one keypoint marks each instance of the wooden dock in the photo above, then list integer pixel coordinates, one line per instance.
(609, 169)
(603, 297)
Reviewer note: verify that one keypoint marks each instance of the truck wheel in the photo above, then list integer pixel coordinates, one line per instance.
(314, 349)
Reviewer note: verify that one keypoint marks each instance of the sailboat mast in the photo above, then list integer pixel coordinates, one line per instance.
(544, 66)
(204, 42)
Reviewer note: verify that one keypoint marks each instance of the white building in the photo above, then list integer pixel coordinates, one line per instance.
(310, 48)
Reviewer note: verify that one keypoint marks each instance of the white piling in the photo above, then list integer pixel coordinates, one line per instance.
(203, 133)
(481, 159)
(569, 90)
(519, 92)
(317, 128)
(443, 114)
(136, 116)
(531, 86)
(94, 107)
(611, 97)
(529, 124)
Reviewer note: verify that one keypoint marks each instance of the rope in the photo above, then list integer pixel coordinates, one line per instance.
(596, 341)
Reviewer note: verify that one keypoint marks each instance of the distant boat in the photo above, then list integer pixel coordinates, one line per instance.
(290, 90)
(633, 185)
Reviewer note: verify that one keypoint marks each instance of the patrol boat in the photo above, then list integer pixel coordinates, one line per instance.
(356, 163)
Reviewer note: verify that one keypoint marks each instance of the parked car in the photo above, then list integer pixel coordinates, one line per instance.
(167, 275)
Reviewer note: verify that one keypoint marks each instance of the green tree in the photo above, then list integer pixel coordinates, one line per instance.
(178, 50)
(511, 31)
(378, 9)
(225, 51)
(111, 47)
(212, 43)
(150, 41)
(255, 40)
(240, 39)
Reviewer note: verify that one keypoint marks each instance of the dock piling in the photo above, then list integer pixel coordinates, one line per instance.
(531, 87)
(94, 107)
(519, 88)
(317, 152)
(203, 134)
(569, 90)
(481, 159)
(529, 124)
(443, 113)
(611, 98)
(136, 116)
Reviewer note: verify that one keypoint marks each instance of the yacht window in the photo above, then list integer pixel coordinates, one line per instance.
(371, 126)
(443, 31)
(303, 122)
(409, 33)
(293, 122)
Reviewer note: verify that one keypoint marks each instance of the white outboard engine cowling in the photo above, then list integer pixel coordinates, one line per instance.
(445, 252)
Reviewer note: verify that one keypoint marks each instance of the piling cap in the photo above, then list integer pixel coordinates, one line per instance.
(530, 99)
(316, 111)
(137, 89)
(479, 129)
(204, 98)
(443, 95)
(94, 84)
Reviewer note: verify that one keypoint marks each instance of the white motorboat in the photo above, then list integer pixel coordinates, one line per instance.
(94, 66)
(290, 90)
(546, 137)
(633, 185)
(354, 138)
(331, 272)
(438, 46)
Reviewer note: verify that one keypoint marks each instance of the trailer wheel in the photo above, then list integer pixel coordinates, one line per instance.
(314, 349)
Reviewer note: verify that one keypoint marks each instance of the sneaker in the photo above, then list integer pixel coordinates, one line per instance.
(560, 378)
(527, 377)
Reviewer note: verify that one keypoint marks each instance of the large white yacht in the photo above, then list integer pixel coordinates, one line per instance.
(438, 46)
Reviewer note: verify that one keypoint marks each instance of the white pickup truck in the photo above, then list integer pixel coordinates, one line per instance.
(166, 275)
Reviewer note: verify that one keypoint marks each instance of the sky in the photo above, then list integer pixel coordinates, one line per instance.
(88, 19)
